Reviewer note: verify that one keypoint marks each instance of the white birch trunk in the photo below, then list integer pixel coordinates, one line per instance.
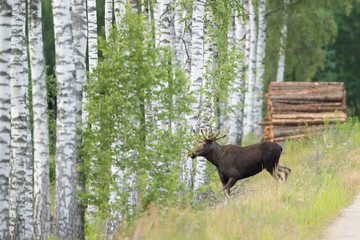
(196, 78)
(260, 69)
(165, 31)
(119, 9)
(207, 113)
(78, 16)
(108, 17)
(65, 182)
(283, 37)
(92, 34)
(5, 55)
(93, 59)
(134, 6)
(188, 164)
(21, 223)
(250, 72)
(236, 134)
(178, 30)
(116, 190)
(187, 41)
(157, 21)
(41, 132)
(236, 97)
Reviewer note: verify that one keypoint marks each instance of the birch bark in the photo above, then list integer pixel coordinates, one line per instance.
(178, 29)
(5, 55)
(196, 78)
(108, 17)
(92, 34)
(187, 165)
(65, 182)
(157, 23)
(207, 114)
(186, 40)
(260, 69)
(41, 132)
(165, 32)
(79, 30)
(250, 71)
(119, 9)
(21, 222)
(283, 37)
(236, 97)
(93, 59)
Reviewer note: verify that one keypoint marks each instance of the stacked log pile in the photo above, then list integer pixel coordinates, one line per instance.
(295, 107)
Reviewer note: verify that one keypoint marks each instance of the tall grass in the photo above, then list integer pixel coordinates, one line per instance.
(325, 178)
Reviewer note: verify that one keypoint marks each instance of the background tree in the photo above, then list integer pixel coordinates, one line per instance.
(341, 59)
(65, 158)
(40, 123)
(21, 221)
(260, 68)
(196, 76)
(79, 29)
(249, 101)
(5, 52)
(283, 37)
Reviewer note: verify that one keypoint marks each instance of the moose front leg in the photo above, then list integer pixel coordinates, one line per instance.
(231, 182)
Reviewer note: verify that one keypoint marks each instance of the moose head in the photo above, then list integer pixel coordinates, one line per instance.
(206, 143)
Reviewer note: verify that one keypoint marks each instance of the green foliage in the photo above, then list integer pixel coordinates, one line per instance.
(137, 102)
(342, 60)
(51, 99)
(48, 35)
(225, 68)
(311, 26)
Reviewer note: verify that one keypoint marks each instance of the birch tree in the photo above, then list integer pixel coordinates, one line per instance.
(79, 30)
(21, 223)
(108, 17)
(260, 68)
(65, 158)
(40, 115)
(92, 59)
(119, 9)
(236, 97)
(196, 78)
(250, 70)
(157, 22)
(178, 30)
(5, 53)
(165, 31)
(187, 39)
(206, 109)
(117, 175)
(92, 34)
(281, 62)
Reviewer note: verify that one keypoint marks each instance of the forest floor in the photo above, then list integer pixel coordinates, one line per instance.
(347, 225)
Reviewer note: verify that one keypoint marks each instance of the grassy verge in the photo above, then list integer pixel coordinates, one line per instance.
(325, 178)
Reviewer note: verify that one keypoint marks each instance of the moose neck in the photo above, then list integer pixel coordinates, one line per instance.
(214, 155)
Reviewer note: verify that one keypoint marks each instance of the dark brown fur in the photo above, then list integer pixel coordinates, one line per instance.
(234, 162)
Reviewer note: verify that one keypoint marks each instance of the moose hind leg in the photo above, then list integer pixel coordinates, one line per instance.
(272, 168)
(282, 170)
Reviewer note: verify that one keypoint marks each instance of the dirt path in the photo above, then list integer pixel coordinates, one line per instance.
(347, 226)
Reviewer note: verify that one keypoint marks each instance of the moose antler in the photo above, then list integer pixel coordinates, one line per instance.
(209, 137)
(196, 137)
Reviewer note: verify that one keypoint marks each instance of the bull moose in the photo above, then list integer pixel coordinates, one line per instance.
(234, 162)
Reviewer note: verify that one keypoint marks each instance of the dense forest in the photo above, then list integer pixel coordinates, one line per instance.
(99, 100)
